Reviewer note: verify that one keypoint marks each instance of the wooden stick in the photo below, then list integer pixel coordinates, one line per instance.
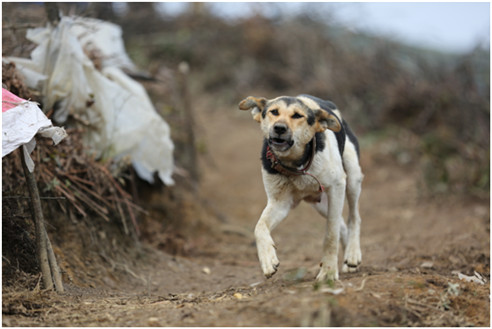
(190, 148)
(41, 244)
(46, 257)
(55, 269)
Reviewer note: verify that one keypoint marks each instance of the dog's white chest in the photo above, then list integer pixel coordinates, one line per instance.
(306, 188)
(304, 184)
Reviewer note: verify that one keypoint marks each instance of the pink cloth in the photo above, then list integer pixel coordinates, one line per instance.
(9, 100)
(21, 121)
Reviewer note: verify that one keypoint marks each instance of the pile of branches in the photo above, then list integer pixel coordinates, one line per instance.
(80, 185)
(68, 174)
(72, 185)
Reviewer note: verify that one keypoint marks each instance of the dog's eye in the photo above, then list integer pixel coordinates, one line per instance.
(274, 112)
(297, 116)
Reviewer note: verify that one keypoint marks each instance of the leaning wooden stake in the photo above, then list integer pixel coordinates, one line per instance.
(55, 269)
(190, 150)
(44, 252)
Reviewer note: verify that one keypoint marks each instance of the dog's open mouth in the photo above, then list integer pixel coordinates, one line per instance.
(280, 143)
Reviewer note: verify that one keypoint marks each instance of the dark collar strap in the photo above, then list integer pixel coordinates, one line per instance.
(288, 171)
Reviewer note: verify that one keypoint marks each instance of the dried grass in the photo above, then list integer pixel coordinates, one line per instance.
(67, 173)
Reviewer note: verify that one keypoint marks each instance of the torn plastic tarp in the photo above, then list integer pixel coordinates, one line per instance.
(122, 122)
(21, 121)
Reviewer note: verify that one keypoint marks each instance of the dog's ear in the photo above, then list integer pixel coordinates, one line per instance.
(256, 104)
(326, 120)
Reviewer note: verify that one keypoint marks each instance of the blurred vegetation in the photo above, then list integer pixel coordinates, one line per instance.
(435, 105)
(440, 99)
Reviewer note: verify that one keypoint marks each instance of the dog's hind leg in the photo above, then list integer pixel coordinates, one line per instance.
(353, 254)
(334, 219)
(322, 208)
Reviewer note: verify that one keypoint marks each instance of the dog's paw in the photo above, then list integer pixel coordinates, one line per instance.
(352, 259)
(328, 271)
(269, 272)
(268, 259)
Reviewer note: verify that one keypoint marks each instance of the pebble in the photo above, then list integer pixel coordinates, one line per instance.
(153, 322)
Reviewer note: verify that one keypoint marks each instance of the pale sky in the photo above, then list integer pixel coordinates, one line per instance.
(443, 25)
(449, 26)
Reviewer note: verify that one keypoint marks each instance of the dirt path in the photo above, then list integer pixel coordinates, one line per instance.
(410, 245)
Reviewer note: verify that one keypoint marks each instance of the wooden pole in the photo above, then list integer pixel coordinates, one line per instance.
(55, 269)
(44, 251)
(41, 250)
(190, 150)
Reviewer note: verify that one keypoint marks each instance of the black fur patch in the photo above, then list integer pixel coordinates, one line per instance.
(340, 136)
(327, 105)
(263, 113)
(308, 150)
(310, 117)
(288, 100)
(351, 136)
(320, 142)
(341, 140)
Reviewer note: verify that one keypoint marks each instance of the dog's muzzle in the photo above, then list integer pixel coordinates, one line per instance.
(280, 137)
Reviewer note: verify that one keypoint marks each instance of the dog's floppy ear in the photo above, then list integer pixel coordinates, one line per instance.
(326, 120)
(256, 104)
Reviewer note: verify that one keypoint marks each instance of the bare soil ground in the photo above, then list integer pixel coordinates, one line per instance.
(411, 245)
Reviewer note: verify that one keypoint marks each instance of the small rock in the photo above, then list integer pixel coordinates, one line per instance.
(255, 284)
(206, 270)
(238, 295)
(153, 322)
(427, 264)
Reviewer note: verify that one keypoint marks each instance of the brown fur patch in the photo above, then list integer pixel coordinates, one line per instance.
(252, 102)
(287, 114)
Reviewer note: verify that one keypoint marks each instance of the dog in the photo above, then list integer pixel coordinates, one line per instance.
(309, 153)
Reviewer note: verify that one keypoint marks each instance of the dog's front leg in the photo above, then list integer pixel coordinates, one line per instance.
(329, 262)
(271, 216)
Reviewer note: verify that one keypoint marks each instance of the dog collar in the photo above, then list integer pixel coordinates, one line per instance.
(288, 171)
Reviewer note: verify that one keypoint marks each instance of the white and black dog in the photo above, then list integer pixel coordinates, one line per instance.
(309, 153)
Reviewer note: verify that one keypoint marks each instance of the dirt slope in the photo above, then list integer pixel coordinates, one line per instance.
(410, 245)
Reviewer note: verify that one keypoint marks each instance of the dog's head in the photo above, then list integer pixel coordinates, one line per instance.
(289, 122)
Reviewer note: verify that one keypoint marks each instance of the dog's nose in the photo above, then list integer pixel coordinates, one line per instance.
(280, 128)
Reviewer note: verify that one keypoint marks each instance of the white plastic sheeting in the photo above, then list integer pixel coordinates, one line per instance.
(21, 121)
(122, 122)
